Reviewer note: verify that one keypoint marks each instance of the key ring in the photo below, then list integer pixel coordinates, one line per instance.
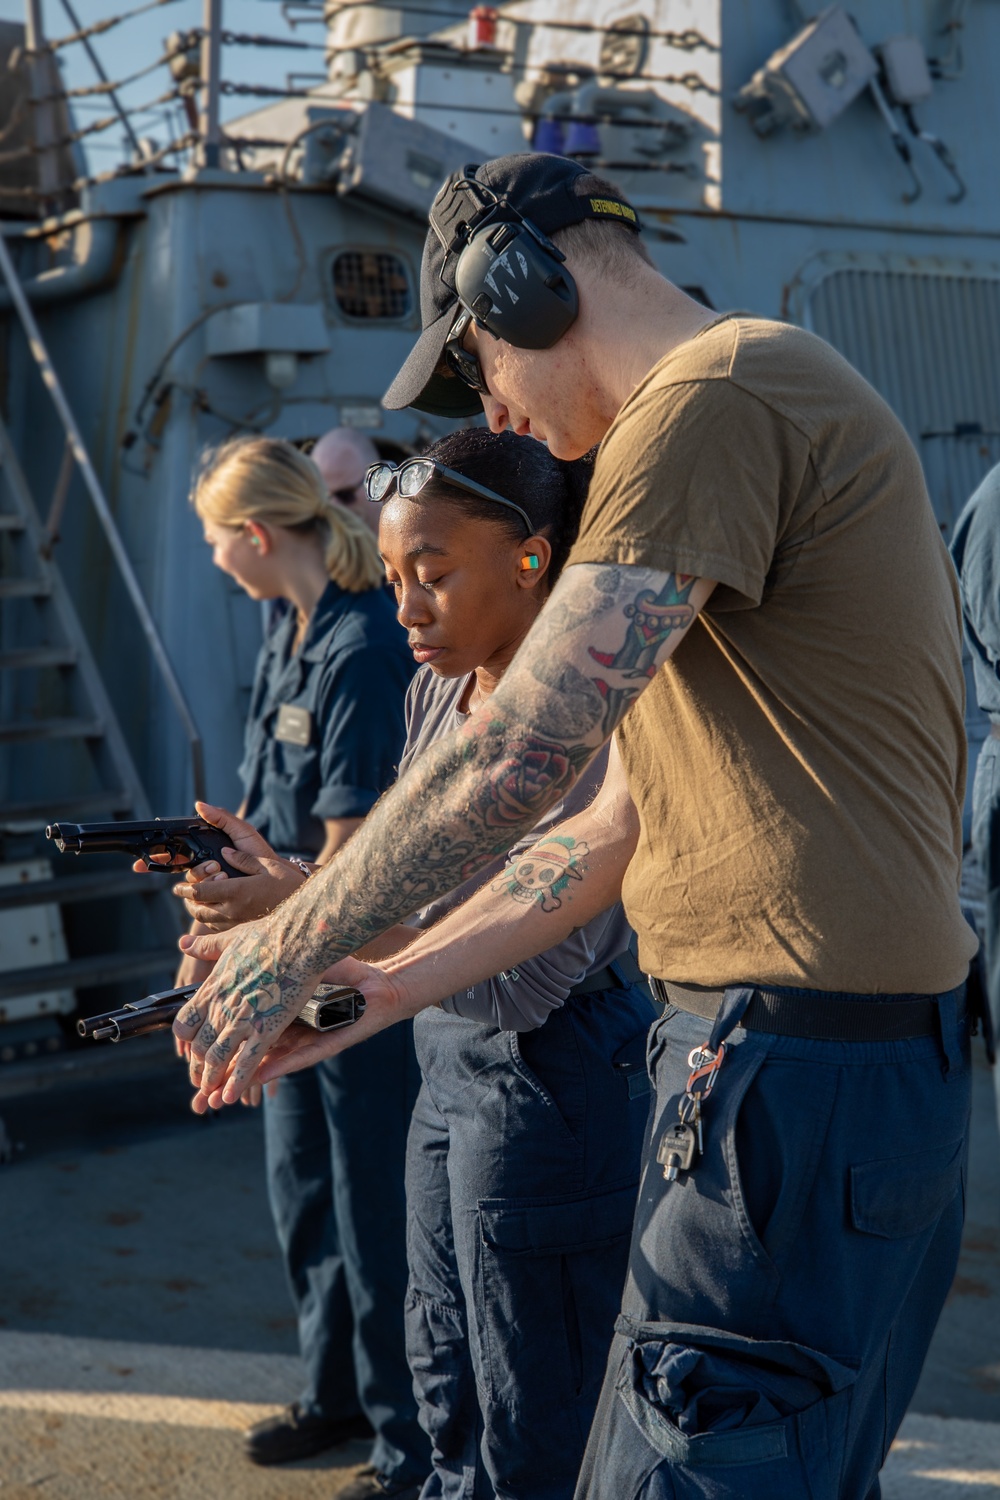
(679, 1145)
(688, 1108)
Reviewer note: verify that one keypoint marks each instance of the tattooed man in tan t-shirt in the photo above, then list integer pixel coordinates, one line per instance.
(760, 609)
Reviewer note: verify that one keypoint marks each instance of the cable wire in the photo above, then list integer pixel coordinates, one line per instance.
(184, 143)
(233, 38)
(95, 128)
(687, 40)
(98, 28)
(691, 81)
(250, 39)
(105, 88)
(103, 80)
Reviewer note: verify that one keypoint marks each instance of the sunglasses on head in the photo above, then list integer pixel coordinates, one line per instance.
(458, 359)
(410, 477)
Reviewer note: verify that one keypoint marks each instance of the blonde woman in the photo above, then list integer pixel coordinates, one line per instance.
(323, 738)
(310, 770)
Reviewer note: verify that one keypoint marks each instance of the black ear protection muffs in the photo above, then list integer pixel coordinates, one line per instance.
(514, 282)
(509, 275)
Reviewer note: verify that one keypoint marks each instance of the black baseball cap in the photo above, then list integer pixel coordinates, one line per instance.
(536, 186)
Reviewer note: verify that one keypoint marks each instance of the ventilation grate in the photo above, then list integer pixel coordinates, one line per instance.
(371, 284)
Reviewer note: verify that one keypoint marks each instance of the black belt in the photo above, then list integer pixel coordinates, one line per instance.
(811, 1016)
(606, 978)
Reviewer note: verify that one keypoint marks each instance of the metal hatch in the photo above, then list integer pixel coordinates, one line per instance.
(925, 334)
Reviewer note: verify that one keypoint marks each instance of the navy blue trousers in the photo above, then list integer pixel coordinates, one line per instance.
(336, 1143)
(521, 1179)
(986, 843)
(781, 1296)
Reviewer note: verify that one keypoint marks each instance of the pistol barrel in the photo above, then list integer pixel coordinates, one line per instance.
(330, 1007)
(122, 1023)
(99, 838)
(151, 1013)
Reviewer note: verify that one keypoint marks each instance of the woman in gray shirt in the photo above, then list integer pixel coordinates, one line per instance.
(523, 1154)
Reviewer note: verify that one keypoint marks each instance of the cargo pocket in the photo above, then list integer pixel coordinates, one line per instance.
(719, 1412)
(900, 1196)
(551, 1273)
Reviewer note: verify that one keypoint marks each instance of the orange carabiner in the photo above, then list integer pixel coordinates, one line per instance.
(704, 1065)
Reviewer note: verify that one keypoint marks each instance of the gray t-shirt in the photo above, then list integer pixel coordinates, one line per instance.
(520, 999)
(976, 550)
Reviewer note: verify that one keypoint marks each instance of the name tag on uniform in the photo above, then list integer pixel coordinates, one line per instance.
(294, 725)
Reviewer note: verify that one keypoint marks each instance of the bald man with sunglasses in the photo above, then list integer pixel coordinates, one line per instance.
(342, 456)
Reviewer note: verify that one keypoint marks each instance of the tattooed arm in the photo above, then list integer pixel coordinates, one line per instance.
(595, 646)
(553, 889)
(534, 905)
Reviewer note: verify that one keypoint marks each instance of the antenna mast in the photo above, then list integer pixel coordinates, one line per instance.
(211, 47)
(44, 83)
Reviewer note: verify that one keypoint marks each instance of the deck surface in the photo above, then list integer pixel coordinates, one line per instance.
(144, 1319)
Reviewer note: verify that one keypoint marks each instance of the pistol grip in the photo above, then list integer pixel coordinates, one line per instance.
(211, 847)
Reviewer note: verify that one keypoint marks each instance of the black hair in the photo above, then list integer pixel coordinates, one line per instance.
(551, 490)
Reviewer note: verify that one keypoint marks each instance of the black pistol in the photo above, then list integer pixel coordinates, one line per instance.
(165, 845)
(330, 1007)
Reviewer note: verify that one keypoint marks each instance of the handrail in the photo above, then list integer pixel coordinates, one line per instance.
(117, 545)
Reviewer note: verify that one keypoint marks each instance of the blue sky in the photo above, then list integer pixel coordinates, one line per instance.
(136, 43)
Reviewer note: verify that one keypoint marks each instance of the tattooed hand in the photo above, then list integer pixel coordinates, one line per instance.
(596, 645)
(387, 1001)
(228, 1040)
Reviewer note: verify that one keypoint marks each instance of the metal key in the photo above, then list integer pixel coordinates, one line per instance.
(677, 1150)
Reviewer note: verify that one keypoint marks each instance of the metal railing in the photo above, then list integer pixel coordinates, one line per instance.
(88, 473)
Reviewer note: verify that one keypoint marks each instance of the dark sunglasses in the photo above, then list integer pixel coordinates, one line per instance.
(410, 477)
(458, 359)
(347, 496)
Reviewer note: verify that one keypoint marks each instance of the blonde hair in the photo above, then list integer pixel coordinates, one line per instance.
(268, 479)
(613, 250)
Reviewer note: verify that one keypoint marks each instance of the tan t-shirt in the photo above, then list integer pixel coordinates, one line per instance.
(799, 764)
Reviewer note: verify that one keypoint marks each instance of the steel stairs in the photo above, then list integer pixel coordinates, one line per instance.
(70, 931)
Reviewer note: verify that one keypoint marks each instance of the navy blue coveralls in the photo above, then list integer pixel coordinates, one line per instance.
(976, 550)
(521, 1180)
(336, 1133)
(781, 1296)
